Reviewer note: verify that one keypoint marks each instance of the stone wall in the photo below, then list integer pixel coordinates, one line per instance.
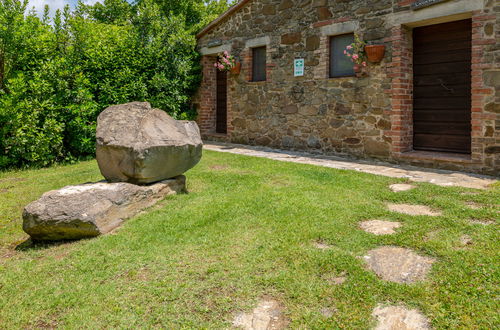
(369, 116)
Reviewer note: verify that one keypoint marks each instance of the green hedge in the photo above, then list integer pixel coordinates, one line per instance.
(56, 75)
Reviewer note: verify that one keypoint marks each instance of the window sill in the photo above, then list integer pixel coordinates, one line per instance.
(349, 76)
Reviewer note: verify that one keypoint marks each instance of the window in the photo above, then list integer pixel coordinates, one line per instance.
(259, 64)
(340, 65)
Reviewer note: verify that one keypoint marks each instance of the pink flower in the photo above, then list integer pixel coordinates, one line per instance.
(364, 63)
(349, 47)
(226, 53)
(349, 55)
(355, 56)
(345, 52)
(216, 65)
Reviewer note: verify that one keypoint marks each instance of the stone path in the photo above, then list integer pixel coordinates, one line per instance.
(390, 263)
(416, 174)
(399, 318)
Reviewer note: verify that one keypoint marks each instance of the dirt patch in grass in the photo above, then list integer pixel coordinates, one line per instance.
(484, 222)
(319, 244)
(473, 205)
(218, 167)
(399, 317)
(269, 314)
(13, 180)
(328, 311)
(411, 209)
(335, 279)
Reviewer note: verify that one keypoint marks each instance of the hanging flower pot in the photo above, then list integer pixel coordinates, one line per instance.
(236, 68)
(225, 62)
(375, 53)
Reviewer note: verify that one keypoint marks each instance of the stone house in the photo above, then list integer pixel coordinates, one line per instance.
(433, 100)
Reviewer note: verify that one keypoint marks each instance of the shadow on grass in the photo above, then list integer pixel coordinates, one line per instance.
(29, 244)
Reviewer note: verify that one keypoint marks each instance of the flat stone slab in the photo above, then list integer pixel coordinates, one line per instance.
(398, 187)
(92, 209)
(398, 265)
(416, 174)
(267, 315)
(399, 318)
(412, 209)
(379, 227)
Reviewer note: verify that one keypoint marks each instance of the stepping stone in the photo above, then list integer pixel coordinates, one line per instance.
(411, 209)
(398, 265)
(267, 315)
(401, 187)
(399, 318)
(379, 227)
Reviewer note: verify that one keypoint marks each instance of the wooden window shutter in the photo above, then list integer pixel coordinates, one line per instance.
(259, 64)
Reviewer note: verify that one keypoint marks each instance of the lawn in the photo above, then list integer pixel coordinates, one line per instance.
(246, 230)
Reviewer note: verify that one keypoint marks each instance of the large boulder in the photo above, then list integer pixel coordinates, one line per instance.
(140, 145)
(92, 209)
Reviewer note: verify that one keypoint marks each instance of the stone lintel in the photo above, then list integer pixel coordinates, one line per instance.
(258, 42)
(339, 28)
(439, 13)
(215, 50)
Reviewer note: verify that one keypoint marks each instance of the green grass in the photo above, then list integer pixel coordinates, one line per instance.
(246, 230)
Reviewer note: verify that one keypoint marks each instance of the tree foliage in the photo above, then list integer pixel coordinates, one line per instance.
(57, 74)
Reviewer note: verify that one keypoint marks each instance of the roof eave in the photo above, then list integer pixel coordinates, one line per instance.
(221, 18)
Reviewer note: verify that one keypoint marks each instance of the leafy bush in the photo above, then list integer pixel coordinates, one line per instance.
(57, 75)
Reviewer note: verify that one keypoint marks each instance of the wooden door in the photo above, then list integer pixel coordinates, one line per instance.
(442, 87)
(221, 108)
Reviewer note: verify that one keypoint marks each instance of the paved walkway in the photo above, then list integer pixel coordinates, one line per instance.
(416, 174)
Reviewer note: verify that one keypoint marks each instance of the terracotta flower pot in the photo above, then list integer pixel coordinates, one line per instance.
(236, 69)
(375, 53)
(357, 68)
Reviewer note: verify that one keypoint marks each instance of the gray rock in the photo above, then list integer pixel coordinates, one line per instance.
(139, 144)
(92, 209)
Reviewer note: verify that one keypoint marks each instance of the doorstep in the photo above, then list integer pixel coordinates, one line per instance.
(446, 157)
